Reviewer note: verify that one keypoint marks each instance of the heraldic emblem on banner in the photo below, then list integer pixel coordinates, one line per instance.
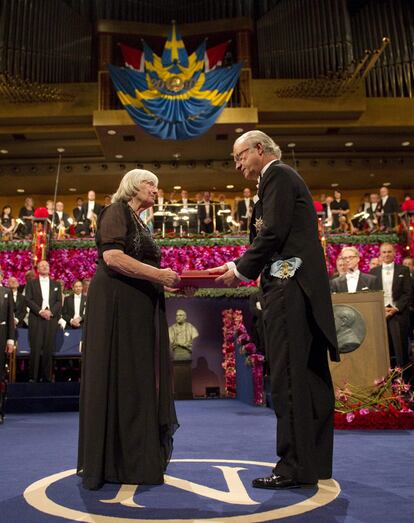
(175, 98)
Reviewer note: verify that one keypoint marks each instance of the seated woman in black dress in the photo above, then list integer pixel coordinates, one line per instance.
(127, 414)
(7, 223)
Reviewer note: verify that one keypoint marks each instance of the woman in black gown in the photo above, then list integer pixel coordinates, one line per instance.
(127, 414)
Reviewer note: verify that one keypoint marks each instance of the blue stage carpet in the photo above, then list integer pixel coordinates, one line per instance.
(220, 446)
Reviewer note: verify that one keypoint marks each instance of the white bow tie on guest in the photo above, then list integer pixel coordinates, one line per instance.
(352, 275)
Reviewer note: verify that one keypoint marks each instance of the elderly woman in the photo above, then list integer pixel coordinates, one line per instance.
(127, 415)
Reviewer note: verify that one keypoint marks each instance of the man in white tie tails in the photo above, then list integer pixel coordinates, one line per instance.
(73, 311)
(353, 280)
(44, 299)
(394, 280)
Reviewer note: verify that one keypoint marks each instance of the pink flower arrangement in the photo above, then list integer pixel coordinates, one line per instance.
(229, 358)
(234, 328)
(70, 265)
(386, 405)
(15, 263)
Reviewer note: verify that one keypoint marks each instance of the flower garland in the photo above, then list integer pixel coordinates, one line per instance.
(234, 329)
(387, 405)
(211, 241)
(228, 350)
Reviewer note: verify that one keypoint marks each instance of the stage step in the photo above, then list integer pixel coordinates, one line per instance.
(43, 397)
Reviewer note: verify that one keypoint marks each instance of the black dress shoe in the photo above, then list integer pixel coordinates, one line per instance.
(280, 482)
(1, 419)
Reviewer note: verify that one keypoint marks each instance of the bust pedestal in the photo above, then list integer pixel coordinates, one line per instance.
(183, 386)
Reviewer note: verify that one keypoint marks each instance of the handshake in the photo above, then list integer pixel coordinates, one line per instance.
(223, 275)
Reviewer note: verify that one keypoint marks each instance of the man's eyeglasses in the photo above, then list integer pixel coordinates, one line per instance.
(346, 258)
(241, 156)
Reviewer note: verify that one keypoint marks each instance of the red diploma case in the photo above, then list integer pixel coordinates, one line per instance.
(200, 279)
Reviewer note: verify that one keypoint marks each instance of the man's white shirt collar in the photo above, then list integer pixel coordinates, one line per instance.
(351, 275)
(387, 266)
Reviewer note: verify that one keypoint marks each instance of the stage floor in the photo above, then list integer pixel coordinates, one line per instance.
(220, 446)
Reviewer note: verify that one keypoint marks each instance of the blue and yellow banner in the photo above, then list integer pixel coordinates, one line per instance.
(175, 98)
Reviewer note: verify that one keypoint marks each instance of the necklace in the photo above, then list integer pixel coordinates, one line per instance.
(138, 219)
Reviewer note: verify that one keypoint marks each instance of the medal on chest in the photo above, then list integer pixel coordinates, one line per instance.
(258, 224)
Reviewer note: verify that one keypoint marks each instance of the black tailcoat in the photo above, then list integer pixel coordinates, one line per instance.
(202, 215)
(42, 333)
(390, 208)
(398, 324)
(19, 309)
(298, 320)
(68, 310)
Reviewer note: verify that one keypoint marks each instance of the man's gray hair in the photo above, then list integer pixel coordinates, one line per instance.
(252, 138)
(128, 187)
(352, 249)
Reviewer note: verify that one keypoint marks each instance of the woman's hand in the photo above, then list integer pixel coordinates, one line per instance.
(169, 278)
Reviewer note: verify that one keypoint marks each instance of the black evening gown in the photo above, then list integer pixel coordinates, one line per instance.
(127, 413)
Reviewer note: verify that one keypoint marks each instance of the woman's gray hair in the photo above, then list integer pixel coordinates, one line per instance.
(128, 187)
(252, 138)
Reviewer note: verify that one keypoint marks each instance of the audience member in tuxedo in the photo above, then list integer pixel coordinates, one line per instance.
(85, 286)
(408, 262)
(205, 214)
(244, 210)
(107, 200)
(90, 212)
(7, 337)
(374, 262)
(77, 213)
(353, 280)
(60, 217)
(26, 214)
(222, 224)
(395, 281)
(44, 299)
(73, 311)
(19, 303)
(389, 209)
(339, 207)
